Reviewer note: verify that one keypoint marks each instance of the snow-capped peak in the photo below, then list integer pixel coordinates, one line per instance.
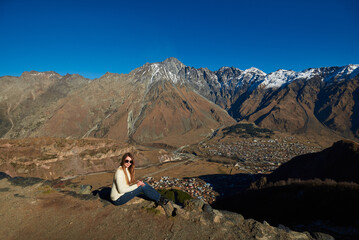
(283, 77)
(158, 71)
(347, 70)
(255, 71)
(352, 67)
(223, 69)
(278, 78)
(171, 70)
(341, 73)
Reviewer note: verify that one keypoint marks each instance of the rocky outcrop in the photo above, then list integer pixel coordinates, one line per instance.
(73, 210)
(311, 191)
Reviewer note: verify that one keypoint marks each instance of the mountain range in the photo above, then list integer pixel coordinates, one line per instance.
(170, 103)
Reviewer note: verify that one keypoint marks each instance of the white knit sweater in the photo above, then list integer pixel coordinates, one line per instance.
(119, 185)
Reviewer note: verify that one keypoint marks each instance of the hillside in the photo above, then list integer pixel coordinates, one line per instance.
(52, 158)
(150, 104)
(170, 103)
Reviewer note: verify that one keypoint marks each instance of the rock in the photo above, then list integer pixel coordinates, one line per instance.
(25, 181)
(80, 196)
(322, 236)
(4, 189)
(181, 212)
(193, 205)
(19, 195)
(299, 235)
(265, 223)
(251, 229)
(217, 216)
(207, 208)
(85, 189)
(231, 218)
(287, 229)
(169, 209)
(139, 201)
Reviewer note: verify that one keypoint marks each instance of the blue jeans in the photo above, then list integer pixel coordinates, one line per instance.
(147, 190)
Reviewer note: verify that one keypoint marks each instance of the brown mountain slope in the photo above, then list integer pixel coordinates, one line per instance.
(178, 116)
(29, 100)
(338, 107)
(316, 101)
(151, 104)
(320, 102)
(290, 109)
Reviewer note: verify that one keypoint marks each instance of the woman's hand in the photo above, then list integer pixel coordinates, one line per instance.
(140, 183)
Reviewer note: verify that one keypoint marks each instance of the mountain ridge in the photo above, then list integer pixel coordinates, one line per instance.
(353, 69)
(311, 100)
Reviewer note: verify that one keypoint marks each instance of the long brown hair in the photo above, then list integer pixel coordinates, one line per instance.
(131, 169)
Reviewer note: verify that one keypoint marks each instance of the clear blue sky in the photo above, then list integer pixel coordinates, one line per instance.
(92, 37)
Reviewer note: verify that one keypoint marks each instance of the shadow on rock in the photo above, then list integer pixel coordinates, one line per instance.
(304, 206)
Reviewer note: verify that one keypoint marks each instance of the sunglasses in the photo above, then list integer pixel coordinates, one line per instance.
(128, 161)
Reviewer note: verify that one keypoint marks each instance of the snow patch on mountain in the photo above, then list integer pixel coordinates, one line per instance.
(355, 71)
(282, 77)
(174, 77)
(341, 73)
(155, 69)
(254, 70)
(349, 70)
(308, 73)
(229, 77)
(278, 78)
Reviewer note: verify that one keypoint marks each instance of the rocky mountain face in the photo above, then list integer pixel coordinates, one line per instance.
(28, 101)
(318, 100)
(170, 103)
(304, 105)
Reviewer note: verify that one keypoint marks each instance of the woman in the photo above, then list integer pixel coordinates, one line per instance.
(125, 187)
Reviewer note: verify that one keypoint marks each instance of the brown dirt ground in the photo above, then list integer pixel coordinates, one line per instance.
(37, 212)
